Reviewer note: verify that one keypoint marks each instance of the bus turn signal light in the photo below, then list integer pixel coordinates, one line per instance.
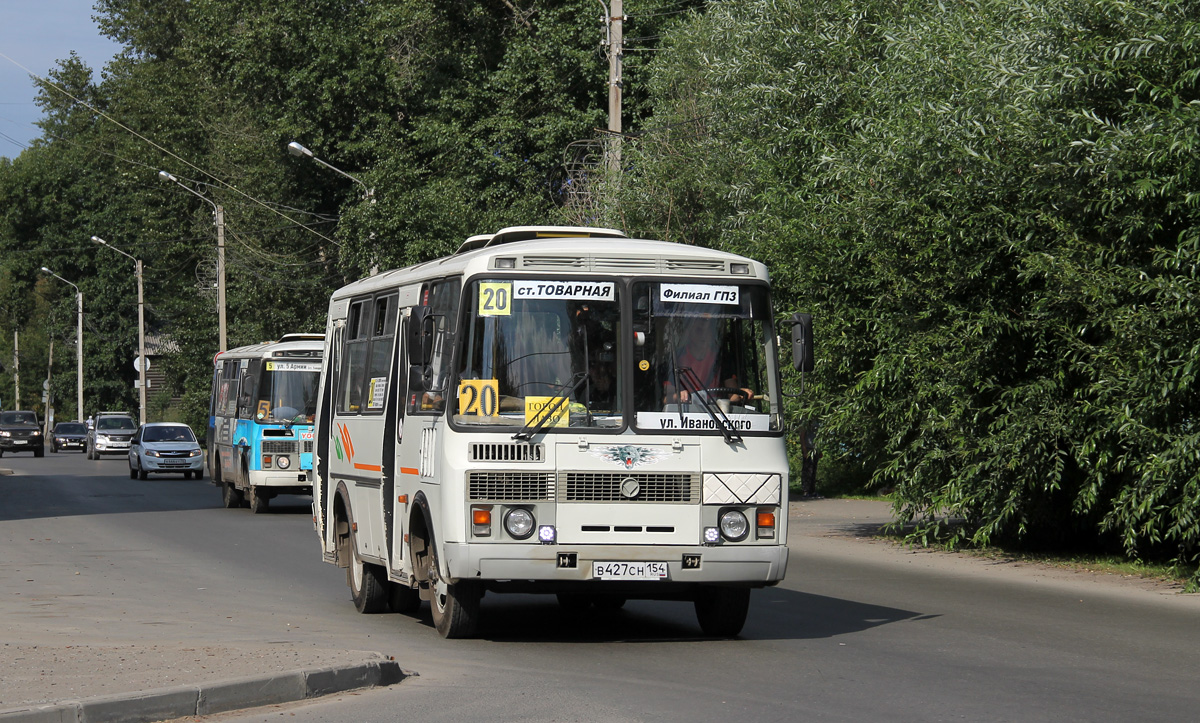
(481, 521)
(766, 524)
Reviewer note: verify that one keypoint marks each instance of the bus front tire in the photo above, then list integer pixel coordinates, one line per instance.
(231, 496)
(258, 501)
(455, 608)
(721, 611)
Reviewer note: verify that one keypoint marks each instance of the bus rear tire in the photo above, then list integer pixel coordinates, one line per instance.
(368, 583)
(721, 611)
(231, 496)
(455, 608)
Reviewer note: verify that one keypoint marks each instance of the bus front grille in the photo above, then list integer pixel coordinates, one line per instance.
(271, 446)
(507, 452)
(615, 487)
(522, 486)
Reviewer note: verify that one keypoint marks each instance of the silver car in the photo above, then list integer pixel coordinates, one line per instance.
(165, 447)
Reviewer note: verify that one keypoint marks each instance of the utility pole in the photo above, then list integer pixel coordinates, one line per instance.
(614, 24)
(142, 363)
(49, 397)
(219, 212)
(16, 369)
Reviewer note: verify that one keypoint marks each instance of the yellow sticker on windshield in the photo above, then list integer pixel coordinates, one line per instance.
(538, 407)
(495, 298)
(480, 397)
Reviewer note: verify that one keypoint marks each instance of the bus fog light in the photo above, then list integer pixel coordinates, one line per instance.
(546, 534)
(283, 462)
(711, 535)
(734, 525)
(519, 523)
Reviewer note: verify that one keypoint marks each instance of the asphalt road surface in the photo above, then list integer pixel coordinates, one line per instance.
(860, 630)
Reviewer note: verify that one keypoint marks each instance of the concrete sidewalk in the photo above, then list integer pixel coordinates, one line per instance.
(153, 683)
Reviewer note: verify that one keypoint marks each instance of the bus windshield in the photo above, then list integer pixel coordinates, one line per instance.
(287, 392)
(546, 348)
(704, 358)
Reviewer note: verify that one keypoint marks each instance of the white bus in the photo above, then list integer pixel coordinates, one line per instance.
(260, 424)
(555, 410)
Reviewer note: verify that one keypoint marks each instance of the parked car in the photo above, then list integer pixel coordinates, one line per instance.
(110, 434)
(165, 447)
(68, 435)
(20, 432)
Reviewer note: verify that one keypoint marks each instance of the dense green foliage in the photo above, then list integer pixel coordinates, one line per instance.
(990, 207)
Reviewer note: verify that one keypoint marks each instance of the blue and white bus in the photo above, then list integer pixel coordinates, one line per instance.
(260, 424)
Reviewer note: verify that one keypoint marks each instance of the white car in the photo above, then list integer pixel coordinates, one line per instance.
(165, 447)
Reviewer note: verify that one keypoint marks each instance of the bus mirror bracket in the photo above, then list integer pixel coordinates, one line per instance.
(802, 342)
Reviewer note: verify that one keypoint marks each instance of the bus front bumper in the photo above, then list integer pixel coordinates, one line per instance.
(549, 565)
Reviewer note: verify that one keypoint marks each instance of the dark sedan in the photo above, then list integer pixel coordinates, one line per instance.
(68, 435)
(19, 433)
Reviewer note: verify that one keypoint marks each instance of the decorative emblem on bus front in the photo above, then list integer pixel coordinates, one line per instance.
(629, 456)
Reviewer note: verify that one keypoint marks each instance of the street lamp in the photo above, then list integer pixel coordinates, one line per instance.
(78, 342)
(219, 215)
(142, 363)
(300, 152)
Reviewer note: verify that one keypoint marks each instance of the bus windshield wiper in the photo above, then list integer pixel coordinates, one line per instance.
(542, 418)
(695, 391)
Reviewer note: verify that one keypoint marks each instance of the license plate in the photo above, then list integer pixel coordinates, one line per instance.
(629, 570)
(20, 441)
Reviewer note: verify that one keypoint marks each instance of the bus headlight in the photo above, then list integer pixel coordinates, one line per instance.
(519, 523)
(734, 525)
(283, 462)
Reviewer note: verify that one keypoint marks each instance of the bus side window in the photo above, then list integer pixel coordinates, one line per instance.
(383, 333)
(248, 390)
(427, 388)
(354, 359)
(229, 387)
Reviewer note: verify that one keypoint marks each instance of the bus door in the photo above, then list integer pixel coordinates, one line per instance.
(225, 416)
(358, 430)
(429, 341)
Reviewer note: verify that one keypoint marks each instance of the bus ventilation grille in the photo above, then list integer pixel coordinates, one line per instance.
(521, 486)
(503, 452)
(611, 487)
(278, 447)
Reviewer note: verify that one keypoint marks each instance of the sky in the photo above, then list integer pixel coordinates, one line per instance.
(37, 34)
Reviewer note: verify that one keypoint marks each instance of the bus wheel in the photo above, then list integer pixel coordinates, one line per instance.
(403, 599)
(721, 611)
(258, 501)
(231, 496)
(455, 608)
(368, 583)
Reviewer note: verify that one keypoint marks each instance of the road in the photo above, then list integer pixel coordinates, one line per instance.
(860, 629)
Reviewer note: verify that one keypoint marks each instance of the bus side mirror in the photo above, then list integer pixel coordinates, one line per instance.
(802, 342)
(421, 327)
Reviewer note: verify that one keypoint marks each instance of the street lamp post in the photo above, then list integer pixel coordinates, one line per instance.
(301, 152)
(219, 216)
(141, 363)
(78, 343)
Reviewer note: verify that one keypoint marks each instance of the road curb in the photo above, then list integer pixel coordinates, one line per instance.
(216, 697)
